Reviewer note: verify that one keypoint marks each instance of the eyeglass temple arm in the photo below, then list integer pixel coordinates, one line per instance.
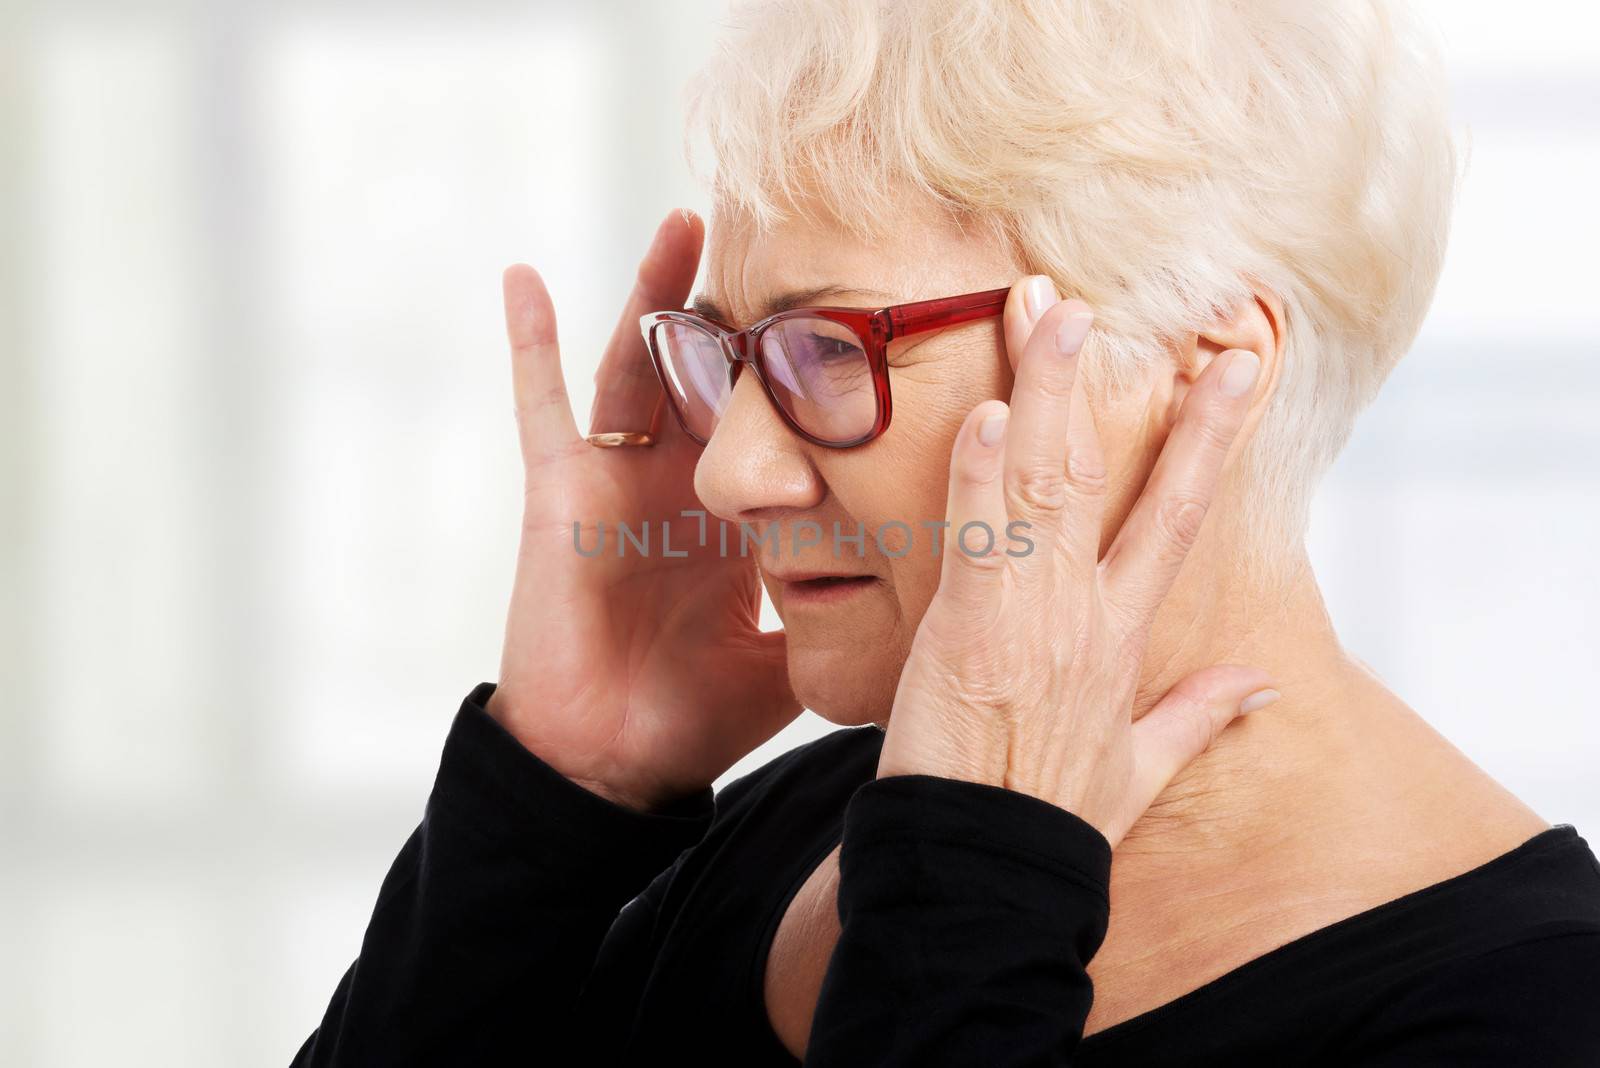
(945, 311)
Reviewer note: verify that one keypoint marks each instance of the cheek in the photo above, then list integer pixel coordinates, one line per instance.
(904, 476)
(921, 475)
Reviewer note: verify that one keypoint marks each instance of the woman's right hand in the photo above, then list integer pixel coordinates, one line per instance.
(642, 677)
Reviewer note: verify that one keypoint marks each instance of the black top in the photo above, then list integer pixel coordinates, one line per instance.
(968, 914)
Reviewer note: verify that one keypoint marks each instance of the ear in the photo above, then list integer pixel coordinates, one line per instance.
(1255, 323)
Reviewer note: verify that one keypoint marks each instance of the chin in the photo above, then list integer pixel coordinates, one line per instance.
(849, 689)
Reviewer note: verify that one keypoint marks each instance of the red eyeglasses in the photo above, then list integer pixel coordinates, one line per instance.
(824, 369)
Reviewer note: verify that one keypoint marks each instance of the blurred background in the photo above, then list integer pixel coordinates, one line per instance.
(260, 479)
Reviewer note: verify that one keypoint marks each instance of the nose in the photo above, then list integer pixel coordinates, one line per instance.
(754, 468)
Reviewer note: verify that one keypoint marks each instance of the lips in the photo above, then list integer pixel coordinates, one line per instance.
(813, 587)
(823, 582)
(813, 576)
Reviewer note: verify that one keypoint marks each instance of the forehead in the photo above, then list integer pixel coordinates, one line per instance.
(924, 252)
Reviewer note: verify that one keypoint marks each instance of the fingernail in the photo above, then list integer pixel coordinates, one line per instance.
(1257, 700)
(1240, 374)
(992, 429)
(1041, 293)
(1070, 334)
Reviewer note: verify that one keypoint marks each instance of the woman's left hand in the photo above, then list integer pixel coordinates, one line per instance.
(1024, 669)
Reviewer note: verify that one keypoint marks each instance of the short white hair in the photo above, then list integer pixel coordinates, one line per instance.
(1158, 158)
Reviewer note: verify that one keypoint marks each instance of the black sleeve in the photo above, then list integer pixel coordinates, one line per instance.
(968, 917)
(491, 916)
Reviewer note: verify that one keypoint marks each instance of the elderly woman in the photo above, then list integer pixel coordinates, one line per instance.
(1108, 788)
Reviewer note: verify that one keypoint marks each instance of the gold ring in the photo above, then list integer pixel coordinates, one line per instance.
(616, 439)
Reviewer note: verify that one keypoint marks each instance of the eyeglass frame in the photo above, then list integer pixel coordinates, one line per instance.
(874, 329)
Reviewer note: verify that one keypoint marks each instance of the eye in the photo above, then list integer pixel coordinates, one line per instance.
(825, 347)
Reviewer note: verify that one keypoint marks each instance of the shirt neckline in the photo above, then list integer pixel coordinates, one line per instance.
(756, 983)
(1549, 838)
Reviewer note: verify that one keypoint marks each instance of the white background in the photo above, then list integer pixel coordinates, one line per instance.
(261, 485)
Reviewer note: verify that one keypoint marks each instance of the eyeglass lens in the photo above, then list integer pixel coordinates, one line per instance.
(816, 368)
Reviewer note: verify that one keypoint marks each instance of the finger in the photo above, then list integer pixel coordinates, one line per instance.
(627, 391)
(1144, 559)
(1185, 722)
(1029, 298)
(975, 541)
(1055, 477)
(544, 414)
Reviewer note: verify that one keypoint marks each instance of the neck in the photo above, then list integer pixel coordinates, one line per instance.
(1293, 766)
(1333, 799)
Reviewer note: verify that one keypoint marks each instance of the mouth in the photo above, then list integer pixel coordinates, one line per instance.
(823, 589)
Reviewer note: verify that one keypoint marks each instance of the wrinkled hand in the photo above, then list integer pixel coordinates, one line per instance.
(640, 677)
(1024, 669)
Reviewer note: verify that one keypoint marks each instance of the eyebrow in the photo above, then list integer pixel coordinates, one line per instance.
(795, 298)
